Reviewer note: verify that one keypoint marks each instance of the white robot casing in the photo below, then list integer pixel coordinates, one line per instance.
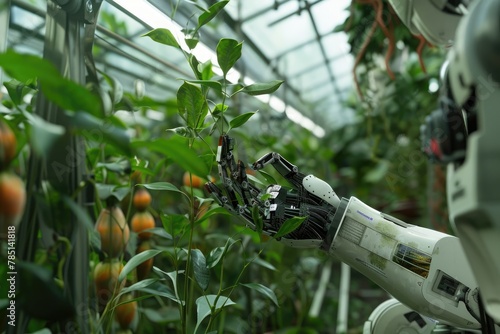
(424, 269)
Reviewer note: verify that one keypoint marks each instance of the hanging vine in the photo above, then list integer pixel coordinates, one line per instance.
(383, 18)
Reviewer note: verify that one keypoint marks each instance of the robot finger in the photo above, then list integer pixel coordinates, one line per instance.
(288, 170)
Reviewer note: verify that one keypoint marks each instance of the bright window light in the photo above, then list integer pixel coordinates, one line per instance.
(277, 104)
(151, 15)
(433, 85)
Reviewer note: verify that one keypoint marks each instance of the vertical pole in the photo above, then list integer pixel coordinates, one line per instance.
(64, 48)
(319, 295)
(343, 311)
(4, 29)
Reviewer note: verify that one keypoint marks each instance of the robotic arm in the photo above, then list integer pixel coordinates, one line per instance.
(429, 272)
(424, 269)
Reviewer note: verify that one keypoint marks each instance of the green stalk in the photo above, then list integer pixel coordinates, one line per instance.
(190, 246)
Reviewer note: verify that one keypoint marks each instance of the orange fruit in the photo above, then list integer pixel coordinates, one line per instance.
(114, 231)
(195, 181)
(125, 313)
(7, 145)
(12, 200)
(106, 281)
(142, 221)
(142, 199)
(144, 268)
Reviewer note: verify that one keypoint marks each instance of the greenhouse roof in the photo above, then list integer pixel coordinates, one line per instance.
(290, 40)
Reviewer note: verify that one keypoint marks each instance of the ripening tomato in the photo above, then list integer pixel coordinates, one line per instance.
(194, 181)
(142, 221)
(12, 200)
(144, 268)
(142, 199)
(114, 231)
(7, 145)
(106, 281)
(126, 313)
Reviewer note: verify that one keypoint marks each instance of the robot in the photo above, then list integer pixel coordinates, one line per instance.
(440, 283)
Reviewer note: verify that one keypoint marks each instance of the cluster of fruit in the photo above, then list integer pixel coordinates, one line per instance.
(12, 190)
(115, 235)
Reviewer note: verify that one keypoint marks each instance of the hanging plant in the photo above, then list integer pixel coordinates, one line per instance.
(373, 26)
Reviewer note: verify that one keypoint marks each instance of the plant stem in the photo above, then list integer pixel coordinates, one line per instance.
(190, 246)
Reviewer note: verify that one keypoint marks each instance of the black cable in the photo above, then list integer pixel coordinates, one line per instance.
(487, 324)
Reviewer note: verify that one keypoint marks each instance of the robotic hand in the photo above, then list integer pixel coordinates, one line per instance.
(424, 269)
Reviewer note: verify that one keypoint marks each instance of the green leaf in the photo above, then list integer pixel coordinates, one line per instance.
(228, 52)
(256, 180)
(183, 131)
(162, 315)
(205, 305)
(65, 93)
(235, 89)
(208, 160)
(194, 63)
(377, 173)
(107, 190)
(206, 70)
(122, 167)
(101, 131)
(192, 105)
(138, 285)
(173, 277)
(289, 226)
(211, 212)
(164, 186)
(264, 290)
(215, 85)
(35, 287)
(201, 272)
(116, 87)
(176, 148)
(159, 232)
(210, 13)
(257, 220)
(192, 38)
(17, 90)
(219, 109)
(215, 256)
(44, 135)
(24, 67)
(191, 42)
(218, 253)
(240, 120)
(163, 36)
(137, 260)
(269, 178)
(160, 290)
(174, 224)
(263, 263)
(262, 88)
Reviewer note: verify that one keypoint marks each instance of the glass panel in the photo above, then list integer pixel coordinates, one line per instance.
(274, 34)
(302, 59)
(329, 14)
(335, 45)
(248, 8)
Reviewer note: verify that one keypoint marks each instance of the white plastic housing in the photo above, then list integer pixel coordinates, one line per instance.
(411, 263)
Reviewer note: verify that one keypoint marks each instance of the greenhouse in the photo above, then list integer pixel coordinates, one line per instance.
(265, 166)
